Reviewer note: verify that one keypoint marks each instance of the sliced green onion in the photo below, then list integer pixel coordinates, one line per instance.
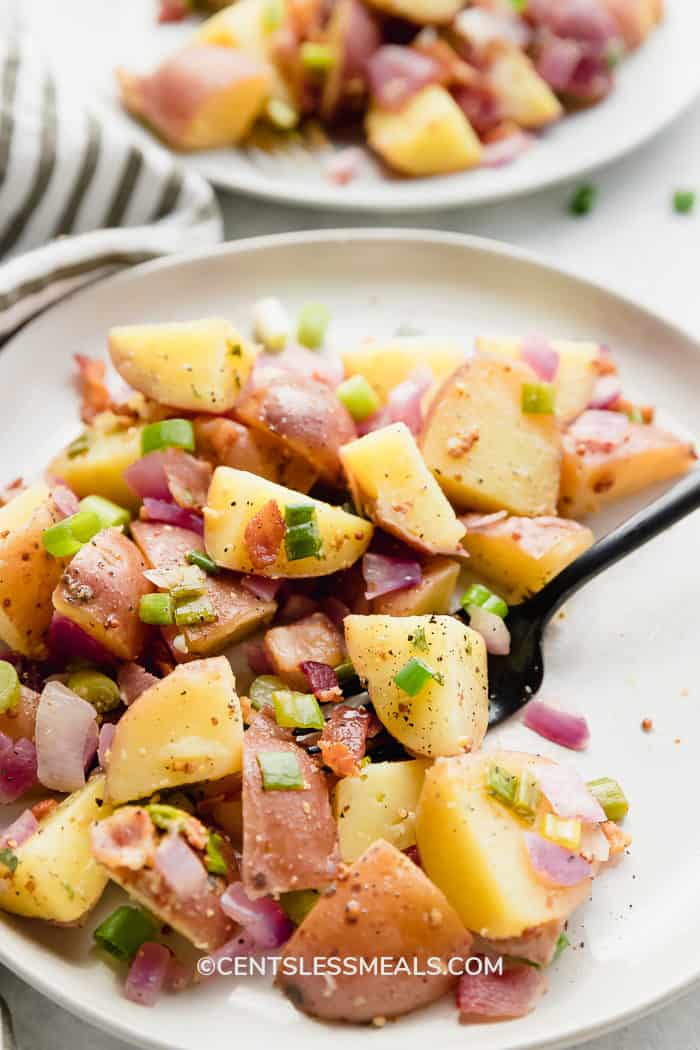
(614, 53)
(9, 860)
(262, 688)
(359, 398)
(565, 831)
(281, 114)
(271, 324)
(214, 858)
(420, 642)
(298, 903)
(198, 610)
(168, 433)
(518, 5)
(562, 944)
(345, 671)
(297, 710)
(203, 561)
(108, 513)
(501, 784)
(583, 199)
(527, 796)
(165, 817)
(299, 514)
(414, 676)
(312, 325)
(124, 931)
(280, 771)
(318, 58)
(272, 15)
(158, 609)
(634, 414)
(611, 797)
(302, 541)
(683, 201)
(78, 446)
(538, 399)
(190, 582)
(479, 595)
(10, 689)
(65, 539)
(97, 688)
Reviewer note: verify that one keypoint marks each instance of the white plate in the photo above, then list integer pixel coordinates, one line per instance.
(653, 87)
(627, 649)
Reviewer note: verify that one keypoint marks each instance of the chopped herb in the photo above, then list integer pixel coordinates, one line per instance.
(124, 931)
(9, 859)
(214, 859)
(583, 200)
(77, 447)
(420, 642)
(415, 675)
(683, 201)
(562, 944)
(203, 561)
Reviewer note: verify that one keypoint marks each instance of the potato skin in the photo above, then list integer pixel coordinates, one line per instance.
(384, 907)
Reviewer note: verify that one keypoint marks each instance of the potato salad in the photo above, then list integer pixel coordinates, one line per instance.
(430, 86)
(246, 621)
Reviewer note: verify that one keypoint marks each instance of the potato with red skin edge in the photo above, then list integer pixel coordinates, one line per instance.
(100, 590)
(385, 907)
(290, 839)
(433, 595)
(313, 638)
(19, 722)
(303, 413)
(223, 442)
(607, 457)
(537, 945)
(351, 31)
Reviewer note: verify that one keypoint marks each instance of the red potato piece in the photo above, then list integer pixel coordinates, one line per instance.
(305, 414)
(223, 442)
(165, 546)
(499, 997)
(100, 590)
(94, 394)
(536, 945)
(18, 723)
(188, 478)
(313, 638)
(385, 907)
(354, 34)
(290, 840)
(201, 98)
(344, 739)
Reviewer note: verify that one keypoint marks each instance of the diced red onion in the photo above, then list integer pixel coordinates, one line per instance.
(133, 680)
(553, 864)
(107, 732)
(20, 831)
(404, 403)
(492, 629)
(558, 60)
(502, 995)
(178, 976)
(567, 793)
(147, 974)
(592, 79)
(321, 677)
(384, 574)
(413, 854)
(606, 392)
(261, 587)
(66, 733)
(65, 499)
(67, 641)
(18, 765)
(398, 73)
(541, 356)
(147, 477)
(180, 867)
(561, 727)
(361, 39)
(263, 919)
(587, 21)
(258, 660)
(241, 946)
(167, 511)
(344, 165)
(506, 150)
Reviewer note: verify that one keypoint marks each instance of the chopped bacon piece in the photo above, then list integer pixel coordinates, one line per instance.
(43, 808)
(314, 638)
(188, 478)
(8, 493)
(94, 394)
(264, 534)
(343, 740)
(618, 839)
(323, 681)
(497, 996)
(127, 839)
(174, 10)
(134, 680)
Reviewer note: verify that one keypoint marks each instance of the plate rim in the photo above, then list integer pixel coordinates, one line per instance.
(123, 1028)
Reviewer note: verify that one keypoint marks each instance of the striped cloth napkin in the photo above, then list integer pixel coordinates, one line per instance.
(79, 197)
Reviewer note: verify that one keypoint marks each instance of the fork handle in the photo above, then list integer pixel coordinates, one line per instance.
(660, 515)
(7, 1039)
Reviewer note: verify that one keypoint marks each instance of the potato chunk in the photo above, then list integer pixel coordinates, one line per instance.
(57, 877)
(522, 93)
(576, 374)
(28, 574)
(186, 728)
(472, 847)
(94, 464)
(236, 496)
(385, 907)
(379, 804)
(386, 363)
(391, 484)
(486, 453)
(313, 638)
(198, 366)
(430, 135)
(449, 714)
(432, 595)
(607, 457)
(424, 12)
(520, 555)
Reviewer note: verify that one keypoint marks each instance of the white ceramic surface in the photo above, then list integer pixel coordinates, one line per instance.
(626, 650)
(653, 87)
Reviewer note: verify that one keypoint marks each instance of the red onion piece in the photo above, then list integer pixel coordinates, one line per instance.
(592, 79)
(18, 765)
(91, 744)
(606, 392)
(505, 151)
(553, 864)
(492, 629)
(558, 60)
(261, 587)
(384, 574)
(587, 21)
(65, 499)
(68, 642)
(263, 919)
(20, 831)
(180, 867)
(541, 356)
(404, 402)
(241, 946)
(360, 40)
(567, 793)
(66, 732)
(398, 73)
(106, 737)
(133, 680)
(147, 477)
(500, 996)
(321, 677)
(172, 514)
(147, 974)
(258, 660)
(561, 727)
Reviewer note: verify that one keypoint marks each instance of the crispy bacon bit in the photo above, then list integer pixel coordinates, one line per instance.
(618, 839)
(628, 408)
(323, 681)
(264, 534)
(174, 10)
(195, 833)
(92, 387)
(493, 995)
(9, 492)
(43, 808)
(314, 638)
(127, 839)
(344, 739)
(188, 478)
